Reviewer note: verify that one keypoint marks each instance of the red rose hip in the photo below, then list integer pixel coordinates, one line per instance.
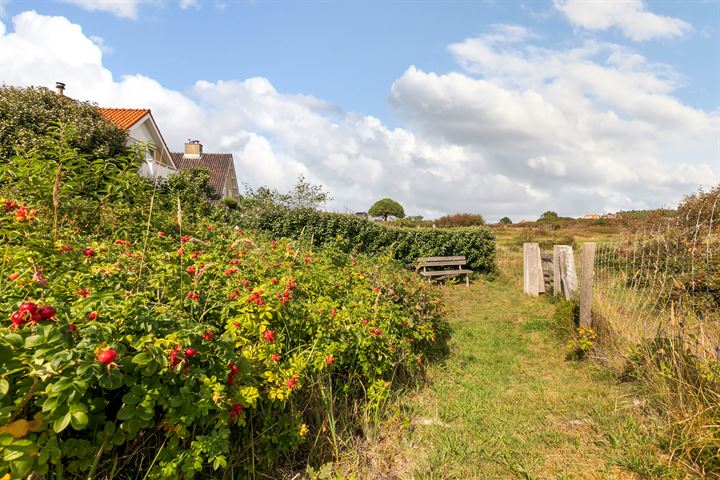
(28, 307)
(46, 312)
(18, 318)
(107, 356)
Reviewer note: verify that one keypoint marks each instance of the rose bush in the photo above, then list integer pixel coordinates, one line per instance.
(195, 352)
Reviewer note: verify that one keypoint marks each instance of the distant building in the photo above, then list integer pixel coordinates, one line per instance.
(220, 165)
(142, 129)
(591, 216)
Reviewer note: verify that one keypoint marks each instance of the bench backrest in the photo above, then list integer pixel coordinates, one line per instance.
(441, 261)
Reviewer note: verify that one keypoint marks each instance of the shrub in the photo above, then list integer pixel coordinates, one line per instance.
(178, 354)
(460, 220)
(363, 236)
(151, 343)
(505, 221)
(27, 115)
(548, 216)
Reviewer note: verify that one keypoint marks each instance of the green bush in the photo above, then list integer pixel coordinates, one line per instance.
(28, 114)
(138, 338)
(364, 236)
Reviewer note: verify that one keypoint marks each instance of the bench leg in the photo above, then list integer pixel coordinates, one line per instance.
(467, 280)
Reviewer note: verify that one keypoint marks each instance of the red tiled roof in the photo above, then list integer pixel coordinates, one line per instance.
(218, 164)
(123, 117)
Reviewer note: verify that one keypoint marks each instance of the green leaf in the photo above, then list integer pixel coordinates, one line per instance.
(34, 341)
(4, 387)
(61, 423)
(14, 339)
(22, 466)
(79, 420)
(126, 412)
(132, 398)
(142, 358)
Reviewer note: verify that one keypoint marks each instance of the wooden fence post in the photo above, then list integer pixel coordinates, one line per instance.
(586, 284)
(533, 282)
(556, 270)
(568, 275)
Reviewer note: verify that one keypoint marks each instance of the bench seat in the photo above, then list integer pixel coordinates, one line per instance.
(440, 273)
(424, 265)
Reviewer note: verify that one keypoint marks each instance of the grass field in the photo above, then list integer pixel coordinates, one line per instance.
(507, 404)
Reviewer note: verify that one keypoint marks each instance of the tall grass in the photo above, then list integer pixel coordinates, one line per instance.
(656, 312)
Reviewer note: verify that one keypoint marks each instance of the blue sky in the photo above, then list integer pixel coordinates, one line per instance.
(357, 58)
(350, 52)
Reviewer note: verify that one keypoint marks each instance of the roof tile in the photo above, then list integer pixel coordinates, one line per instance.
(124, 117)
(218, 164)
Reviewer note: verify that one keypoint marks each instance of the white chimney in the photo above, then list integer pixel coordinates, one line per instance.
(60, 88)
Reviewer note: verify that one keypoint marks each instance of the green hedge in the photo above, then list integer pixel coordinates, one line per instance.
(363, 236)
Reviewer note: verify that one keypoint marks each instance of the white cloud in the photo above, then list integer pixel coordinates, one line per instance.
(524, 130)
(121, 8)
(630, 16)
(185, 4)
(3, 5)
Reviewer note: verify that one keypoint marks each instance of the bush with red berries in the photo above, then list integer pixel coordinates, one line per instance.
(192, 352)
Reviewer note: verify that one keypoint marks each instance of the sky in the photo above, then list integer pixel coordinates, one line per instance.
(504, 108)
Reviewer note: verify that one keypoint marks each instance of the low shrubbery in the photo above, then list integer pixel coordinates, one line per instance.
(180, 353)
(141, 333)
(360, 235)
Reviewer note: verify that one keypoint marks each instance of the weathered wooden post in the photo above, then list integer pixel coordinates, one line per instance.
(586, 284)
(556, 271)
(533, 282)
(568, 275)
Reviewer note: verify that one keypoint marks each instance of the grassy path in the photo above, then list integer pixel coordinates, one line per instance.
(506, 404)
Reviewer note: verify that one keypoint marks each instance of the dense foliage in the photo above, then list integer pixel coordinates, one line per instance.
(548, 216)
(505, 221)
(356, 234)
(28, 114)
(387, 207)
(145, 341)
(459, 220)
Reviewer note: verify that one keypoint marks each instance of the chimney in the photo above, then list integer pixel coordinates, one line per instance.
(193, 149)
(60, 88)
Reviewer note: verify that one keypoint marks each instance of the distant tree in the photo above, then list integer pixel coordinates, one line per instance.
(28, 115)
(549, 215)
(505, 221)
(304, 195)
(460, 220)
(385, 208)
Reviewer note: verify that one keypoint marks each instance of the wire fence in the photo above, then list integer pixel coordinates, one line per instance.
(662, 280)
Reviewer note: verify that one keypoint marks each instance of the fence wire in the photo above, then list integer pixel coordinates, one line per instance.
(662, 279)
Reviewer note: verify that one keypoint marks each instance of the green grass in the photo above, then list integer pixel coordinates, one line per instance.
(507, 404)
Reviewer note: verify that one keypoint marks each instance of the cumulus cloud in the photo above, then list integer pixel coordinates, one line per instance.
(590, 124)
(121, 8)
(631, 17)
(521, 130)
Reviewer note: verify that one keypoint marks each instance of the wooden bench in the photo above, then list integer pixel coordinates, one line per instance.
(424, 264)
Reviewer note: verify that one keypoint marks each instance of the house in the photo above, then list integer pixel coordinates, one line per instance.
(142, 130)
(220, 165)
(591, 216)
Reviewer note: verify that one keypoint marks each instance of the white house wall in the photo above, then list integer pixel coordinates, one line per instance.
(141, 133)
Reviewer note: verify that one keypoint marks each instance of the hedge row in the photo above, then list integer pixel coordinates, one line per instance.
(359, 235)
